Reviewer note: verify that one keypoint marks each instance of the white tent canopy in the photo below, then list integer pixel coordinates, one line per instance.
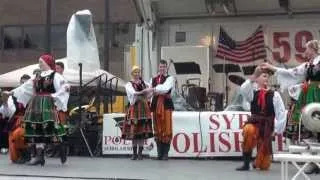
(12, 79)
(81, 48)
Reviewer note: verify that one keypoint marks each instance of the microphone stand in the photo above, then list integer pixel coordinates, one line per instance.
(168, 67)
(226, 82)
(80, 111)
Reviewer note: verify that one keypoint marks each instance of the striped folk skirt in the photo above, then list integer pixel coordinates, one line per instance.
(138, 122)
(310, 96)
(41, 121)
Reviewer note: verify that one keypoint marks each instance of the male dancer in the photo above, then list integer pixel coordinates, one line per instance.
(162, 107)
(266, 106)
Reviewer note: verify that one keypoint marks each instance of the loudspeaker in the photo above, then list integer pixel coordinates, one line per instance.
(284, 3)
(215, 101)
(197, 97)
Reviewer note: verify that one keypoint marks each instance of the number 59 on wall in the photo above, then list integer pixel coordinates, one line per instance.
(288, 46)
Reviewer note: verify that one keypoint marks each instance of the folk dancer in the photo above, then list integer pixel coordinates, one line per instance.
(63, 115)
(162, 107)
(266, 106)
(18, 150)
(138, 122)
(4, 143)
(44, 95)
(303, 83)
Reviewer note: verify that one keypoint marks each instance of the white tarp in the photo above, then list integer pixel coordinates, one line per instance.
(12, 79)
(81, 48)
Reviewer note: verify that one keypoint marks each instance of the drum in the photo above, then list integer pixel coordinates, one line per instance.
(311, 117)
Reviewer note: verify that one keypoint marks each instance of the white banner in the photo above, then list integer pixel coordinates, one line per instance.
(112, 142)
(195, 134)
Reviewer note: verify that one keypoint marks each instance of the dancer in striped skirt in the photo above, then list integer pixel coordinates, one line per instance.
(138, 123)
(45, 96)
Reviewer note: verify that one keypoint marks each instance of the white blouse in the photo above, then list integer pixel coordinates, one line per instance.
(290, 78)
(165, 87)
(25, 92)
(248, 88)
(132, 93)
(8, 110)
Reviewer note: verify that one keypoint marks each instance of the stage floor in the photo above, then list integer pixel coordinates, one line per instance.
(123, 168)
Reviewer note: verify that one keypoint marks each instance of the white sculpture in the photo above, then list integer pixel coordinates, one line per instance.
(81, 42)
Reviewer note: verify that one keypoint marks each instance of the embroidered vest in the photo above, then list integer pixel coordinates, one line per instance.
(313, 72)
(257, 109)
(44, 84)
(168, 103)
(137, 87)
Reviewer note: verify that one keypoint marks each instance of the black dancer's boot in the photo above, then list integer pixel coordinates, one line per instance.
(246, 162)
(63, 152)
(39, 159)
(140, 157)
(166, 148)
(160, 150)
(25, 156)
(134, 155)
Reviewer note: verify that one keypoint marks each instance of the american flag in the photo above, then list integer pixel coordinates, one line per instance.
(251, 49)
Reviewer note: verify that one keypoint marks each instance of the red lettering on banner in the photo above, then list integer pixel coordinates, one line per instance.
(176, 145)
(115, 140)
(215, 125)
(237, 143)
(242, 119)
(107, 139)
(227, 120)
(224, 142)
(212, 144)
(195, 142)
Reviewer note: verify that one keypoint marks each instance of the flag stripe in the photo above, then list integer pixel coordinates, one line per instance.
(251, 49)
(247, 59)
(254, 38)
(222, 52)
(241, 47)
(258, 32)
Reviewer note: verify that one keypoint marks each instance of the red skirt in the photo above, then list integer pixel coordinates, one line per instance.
(138, 122)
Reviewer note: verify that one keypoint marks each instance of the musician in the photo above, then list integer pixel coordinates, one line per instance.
(24, 78)
(3, 133)
(60, 69)
(266, 105)
(62, 114)
(304, 83)
(138, 122)
(18, 149)
(162, 107)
